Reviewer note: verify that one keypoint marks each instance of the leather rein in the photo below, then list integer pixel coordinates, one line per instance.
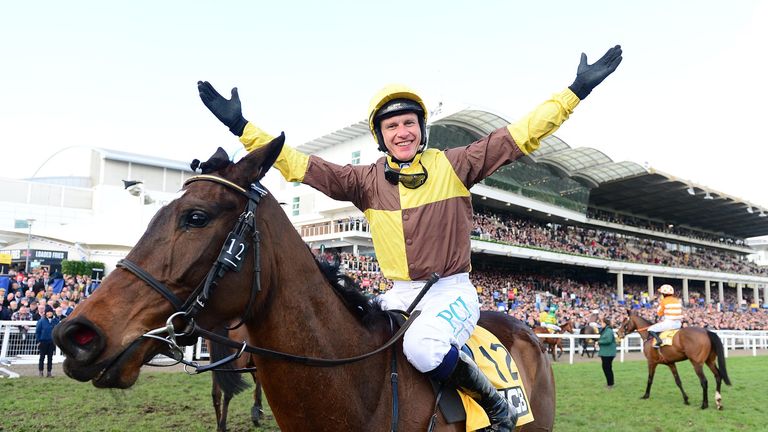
(231, 258)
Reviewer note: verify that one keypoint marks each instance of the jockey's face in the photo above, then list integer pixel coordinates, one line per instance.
(402, 136)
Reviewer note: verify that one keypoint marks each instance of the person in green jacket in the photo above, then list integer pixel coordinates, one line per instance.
(607, 350)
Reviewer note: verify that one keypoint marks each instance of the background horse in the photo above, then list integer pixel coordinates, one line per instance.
(696, 344)
(230, 384)
(588, 346)
(554, 345)
(297, 311)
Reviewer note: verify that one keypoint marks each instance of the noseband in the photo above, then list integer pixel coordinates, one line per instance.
(231, 258)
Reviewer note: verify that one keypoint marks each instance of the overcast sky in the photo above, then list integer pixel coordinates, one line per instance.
(689, 98)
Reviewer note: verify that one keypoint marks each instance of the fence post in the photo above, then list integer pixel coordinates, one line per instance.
(6, 338)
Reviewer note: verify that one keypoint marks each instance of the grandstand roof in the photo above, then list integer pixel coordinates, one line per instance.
(629, 188)
(623, 187)
(342, 135)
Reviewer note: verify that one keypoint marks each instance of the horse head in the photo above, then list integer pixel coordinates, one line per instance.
(104, 337)
(629, 325)
(567, 326)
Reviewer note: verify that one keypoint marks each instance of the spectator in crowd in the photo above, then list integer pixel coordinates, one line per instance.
(607, 351)
(5, 313)
(22, 314)
(36, 309)
(44, 334)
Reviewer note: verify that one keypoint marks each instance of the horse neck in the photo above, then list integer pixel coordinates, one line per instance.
(642, 325)
(303, 315)
(302, 310)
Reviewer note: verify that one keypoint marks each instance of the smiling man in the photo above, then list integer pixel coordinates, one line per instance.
(419, 209)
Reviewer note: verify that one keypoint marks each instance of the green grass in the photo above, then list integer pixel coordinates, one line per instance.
(583, 403)
(164, 401)
(159, 401)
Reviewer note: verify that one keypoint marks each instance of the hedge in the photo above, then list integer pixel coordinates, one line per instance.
(84, 268)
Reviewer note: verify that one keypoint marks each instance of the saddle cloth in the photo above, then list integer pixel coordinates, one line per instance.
(666, 336)
(499, 366)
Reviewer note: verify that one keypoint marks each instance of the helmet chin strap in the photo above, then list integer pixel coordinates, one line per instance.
(400, 162)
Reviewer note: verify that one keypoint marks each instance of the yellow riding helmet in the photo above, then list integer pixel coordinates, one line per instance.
(391, 100)
(666, 289)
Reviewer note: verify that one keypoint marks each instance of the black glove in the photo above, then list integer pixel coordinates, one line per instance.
(228, 112)
(589, 76)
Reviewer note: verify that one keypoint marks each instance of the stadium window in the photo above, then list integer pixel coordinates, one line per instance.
(355, 157)
(295, 206)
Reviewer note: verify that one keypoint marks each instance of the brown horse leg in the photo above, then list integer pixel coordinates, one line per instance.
(225, 412)
(718, 381)
(703, 380)
(257, 413)
(651, 372)
(216, 397)
(679, 383)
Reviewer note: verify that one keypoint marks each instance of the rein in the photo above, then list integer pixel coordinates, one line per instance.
(230, 258)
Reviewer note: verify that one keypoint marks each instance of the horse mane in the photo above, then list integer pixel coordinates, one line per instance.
(643, 321)
(365, 309)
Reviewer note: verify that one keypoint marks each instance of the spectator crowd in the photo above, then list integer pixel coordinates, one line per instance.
(29, 294)
(613, 245)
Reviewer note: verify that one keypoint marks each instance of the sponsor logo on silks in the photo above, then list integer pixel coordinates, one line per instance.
(456, 314)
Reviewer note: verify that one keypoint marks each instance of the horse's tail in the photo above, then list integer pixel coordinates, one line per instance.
(231, 383)
(717, 344)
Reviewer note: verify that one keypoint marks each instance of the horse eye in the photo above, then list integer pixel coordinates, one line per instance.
(197, 219)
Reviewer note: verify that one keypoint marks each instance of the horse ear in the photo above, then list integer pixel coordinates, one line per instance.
(255, 165)
(274, 148)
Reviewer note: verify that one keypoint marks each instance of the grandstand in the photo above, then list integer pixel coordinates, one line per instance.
(645, 227)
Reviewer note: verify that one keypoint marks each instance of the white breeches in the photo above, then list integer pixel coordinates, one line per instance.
(449, 314)
(551, 326)
(665, 325)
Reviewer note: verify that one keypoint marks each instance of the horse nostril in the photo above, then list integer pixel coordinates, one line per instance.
(79, 340)
(83, 336)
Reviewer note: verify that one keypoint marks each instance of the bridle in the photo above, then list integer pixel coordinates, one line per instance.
(231, 258)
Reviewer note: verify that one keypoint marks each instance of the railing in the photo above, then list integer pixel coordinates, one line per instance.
(732, 340)
(335, 227)
(18, 344)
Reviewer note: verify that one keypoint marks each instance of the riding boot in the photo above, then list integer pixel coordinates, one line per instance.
(468, 377)
(655, 335)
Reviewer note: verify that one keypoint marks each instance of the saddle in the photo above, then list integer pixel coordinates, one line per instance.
(497, 364)
(666, 337)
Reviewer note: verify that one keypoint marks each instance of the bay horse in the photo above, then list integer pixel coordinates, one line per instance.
(696, 344)
(287, 304)
(588, 346)
(553, 344)
(225, 384)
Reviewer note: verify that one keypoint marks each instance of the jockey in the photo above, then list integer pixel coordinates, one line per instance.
(549, 319)
(670, 311)
(419, 209)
